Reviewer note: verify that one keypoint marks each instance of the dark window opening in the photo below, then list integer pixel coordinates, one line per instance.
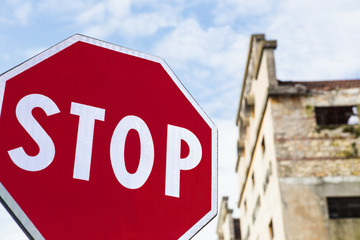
(337, 115)
(343, 207)
(237, 232)
(263, 145)
(253, 179)
(267, 177)
(271, 230)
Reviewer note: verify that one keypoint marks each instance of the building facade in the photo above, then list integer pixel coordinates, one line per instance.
(228, 227)
(298, 160)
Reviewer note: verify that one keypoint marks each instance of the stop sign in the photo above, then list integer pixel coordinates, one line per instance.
(103, 142)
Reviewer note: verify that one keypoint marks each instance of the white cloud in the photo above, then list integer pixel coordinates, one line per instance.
(320, 45)
(228, 11)
(9, 230)
(210, 61)
(94, 14)
(122, 18)
(215, 47)
(23, 12)
(105, 11)
(16, 12)
(186, 42)
(228, 133)
(119, 9)
(63, 7)
(227, 176)
(145, 24)
(316, 39)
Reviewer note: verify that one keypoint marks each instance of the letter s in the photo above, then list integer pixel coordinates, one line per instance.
(47, 149)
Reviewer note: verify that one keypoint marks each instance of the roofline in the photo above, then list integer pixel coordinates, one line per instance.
(264, 44)
(246, 71)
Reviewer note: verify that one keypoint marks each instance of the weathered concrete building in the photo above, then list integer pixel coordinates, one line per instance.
(298, 154)
(228, 227)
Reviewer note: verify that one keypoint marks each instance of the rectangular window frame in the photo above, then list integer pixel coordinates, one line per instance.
(343, 207)
(337, 115)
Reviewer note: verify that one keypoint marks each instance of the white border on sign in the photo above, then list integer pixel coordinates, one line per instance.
(14, 207)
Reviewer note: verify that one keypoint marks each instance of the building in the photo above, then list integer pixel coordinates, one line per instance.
(228, 227)
(298, 160)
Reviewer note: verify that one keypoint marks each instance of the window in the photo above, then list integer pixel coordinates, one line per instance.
(337, 115)
(263, 146)
(237, 232)
(343, 207)
(256, 209)
(253, 179)
(267, 177)
(271, 230)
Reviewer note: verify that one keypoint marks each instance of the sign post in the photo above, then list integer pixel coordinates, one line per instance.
(102, 142)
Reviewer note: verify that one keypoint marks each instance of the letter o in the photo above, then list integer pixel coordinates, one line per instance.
(117, 152)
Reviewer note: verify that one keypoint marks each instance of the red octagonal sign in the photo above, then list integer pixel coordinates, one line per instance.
(104, 142)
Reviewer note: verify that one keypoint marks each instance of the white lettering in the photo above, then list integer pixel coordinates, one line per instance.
(117, 150)
(84, 144)
(46, 146)
(174, 162)
(87, 116)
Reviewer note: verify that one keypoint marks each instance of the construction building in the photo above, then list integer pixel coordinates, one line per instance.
(298, 159)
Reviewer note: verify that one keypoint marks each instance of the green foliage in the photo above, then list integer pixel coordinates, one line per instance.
(309, 109)
(355, 130)
(353, 153)
(319, 128)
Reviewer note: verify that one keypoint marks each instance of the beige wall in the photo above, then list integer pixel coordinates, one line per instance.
(302, 165)
(298, 137)
(305, 208)
(314, 163)
(258, 174)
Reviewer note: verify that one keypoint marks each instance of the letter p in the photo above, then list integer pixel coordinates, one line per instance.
(174, 162)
